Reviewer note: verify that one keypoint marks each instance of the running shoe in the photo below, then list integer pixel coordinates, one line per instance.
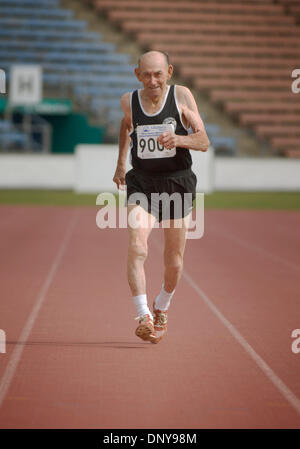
(145, 329)
(160, 323)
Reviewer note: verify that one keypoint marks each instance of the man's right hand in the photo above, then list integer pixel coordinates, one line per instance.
(119, 177)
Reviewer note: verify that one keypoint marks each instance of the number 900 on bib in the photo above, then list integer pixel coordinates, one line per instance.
(147, 144)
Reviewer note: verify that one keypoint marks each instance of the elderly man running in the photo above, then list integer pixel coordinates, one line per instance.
(155, 126)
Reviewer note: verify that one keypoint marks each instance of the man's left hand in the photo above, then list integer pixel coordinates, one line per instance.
(168, 140)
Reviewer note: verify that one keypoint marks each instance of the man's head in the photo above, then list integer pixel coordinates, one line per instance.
(153, 71)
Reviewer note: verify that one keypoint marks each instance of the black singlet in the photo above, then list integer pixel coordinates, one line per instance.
(169, 113)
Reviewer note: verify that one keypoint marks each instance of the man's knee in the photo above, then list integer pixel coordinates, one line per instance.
(174, 261)
(137, 251)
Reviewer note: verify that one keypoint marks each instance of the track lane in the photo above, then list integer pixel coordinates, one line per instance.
(29, 239)
(82, 366)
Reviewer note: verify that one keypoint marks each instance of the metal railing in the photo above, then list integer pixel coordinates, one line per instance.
(31, 135)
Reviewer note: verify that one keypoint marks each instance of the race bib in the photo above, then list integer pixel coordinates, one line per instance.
(148, 147)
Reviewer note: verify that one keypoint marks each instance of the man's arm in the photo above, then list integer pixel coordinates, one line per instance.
(124, 141)
(199, 140)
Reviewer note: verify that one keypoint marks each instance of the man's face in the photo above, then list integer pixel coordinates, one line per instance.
(154, 73)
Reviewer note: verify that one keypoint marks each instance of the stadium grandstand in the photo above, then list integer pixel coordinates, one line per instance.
(237, 56)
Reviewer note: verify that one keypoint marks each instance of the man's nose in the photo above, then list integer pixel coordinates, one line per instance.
(152, 81)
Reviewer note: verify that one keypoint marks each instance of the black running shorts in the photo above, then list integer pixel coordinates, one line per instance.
(165, 195)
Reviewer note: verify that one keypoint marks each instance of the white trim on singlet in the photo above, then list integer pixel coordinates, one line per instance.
(179, 112)
(131, 93)
(130, 154)
(162, 106)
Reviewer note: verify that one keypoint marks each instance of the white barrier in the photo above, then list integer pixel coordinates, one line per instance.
(36, 171)
(92, 167)
(96, 164)
(268, 174)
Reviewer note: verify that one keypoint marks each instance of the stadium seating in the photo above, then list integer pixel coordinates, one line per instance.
(10, 137)
(202, 38)
(293, 7)
(30, 3)
(6, 11)
(74, 60)
(268, 130)
(47, 56)
(48, 34)
(246, 95)
(42, 23)
(193, 20)
(241, 53)
(53, 45)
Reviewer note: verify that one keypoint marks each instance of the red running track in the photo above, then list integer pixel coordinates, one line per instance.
(72, 359)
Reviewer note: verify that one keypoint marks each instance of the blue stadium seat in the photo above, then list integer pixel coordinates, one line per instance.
(5, 125)
(104, 67)
(10, 21)
(224, 145)
(89, 79)
(69, 66)
(212, 130)
(32, 12)
(100, 91)
(39, 57)
(49, 34)
(54, 79)
(82, 70)
(110, 103)
(116, 114)
(12, 139)
(19, 45)
(114, 117)
(30, 3)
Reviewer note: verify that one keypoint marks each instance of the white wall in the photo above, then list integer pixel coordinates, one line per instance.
(257, 174)
(37, 171)
(96, 164)
(91, 169)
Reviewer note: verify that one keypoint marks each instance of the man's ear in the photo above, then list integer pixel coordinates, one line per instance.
(170, 71)
(137, 73)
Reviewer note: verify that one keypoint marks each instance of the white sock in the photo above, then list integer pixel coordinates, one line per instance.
(141, 305)
(163, 300)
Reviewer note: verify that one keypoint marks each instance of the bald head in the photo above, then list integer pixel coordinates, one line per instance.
(149, 56)
(153, 72)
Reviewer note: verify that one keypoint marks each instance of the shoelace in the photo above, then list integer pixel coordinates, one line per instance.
(143, 318)
(161, 318)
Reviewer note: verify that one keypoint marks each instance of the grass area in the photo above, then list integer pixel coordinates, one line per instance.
(47, 197)
(217, 200)
(253, 200)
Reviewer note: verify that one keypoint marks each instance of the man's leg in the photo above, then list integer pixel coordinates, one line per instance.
(138, 248)
(175, 240)
(140, 224)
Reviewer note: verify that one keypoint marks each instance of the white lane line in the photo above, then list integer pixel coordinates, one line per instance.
(257, 248)
(291, 398)
(17, 352)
